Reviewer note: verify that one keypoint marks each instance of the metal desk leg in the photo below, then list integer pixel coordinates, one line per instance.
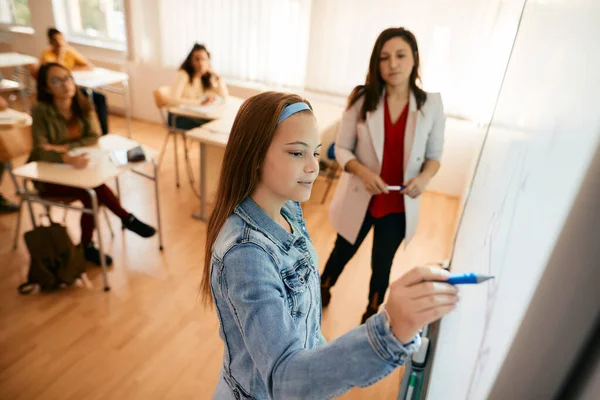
(18, 227)
(127, 106)
(176, 153)
(160, 232)
(202, 215)
(33, 224)
(118, 188)
(92, 194)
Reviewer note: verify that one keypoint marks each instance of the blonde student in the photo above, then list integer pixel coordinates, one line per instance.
(260, 271)
(196, 84)
(390, 137)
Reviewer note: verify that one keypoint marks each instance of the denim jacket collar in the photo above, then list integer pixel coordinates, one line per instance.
(256, 217)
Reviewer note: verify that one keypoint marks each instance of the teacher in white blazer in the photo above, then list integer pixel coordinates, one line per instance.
(391, 134)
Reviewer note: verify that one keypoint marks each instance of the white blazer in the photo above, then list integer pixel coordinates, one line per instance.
(363, 141)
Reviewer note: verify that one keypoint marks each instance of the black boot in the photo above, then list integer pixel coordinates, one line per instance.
(6, 206)
(92, 254)
(372, 308)
(325, 292)
(137, 226)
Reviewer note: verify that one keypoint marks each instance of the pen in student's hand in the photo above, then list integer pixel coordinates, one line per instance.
(468, 278)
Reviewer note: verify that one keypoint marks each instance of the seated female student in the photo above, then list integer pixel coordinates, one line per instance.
(196, 84)
(60, 52)
(261, 271)
(63, 120)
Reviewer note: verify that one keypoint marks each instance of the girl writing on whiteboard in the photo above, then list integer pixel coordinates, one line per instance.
(390, 137)
(260, 271)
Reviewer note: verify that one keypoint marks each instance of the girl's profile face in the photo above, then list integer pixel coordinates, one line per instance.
(291, 164)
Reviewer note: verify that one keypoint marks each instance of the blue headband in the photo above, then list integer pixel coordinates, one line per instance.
(292, 109)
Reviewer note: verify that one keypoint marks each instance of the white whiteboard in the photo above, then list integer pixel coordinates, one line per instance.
(543, 136)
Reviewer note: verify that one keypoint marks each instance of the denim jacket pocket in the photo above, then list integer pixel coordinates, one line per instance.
(296, 281)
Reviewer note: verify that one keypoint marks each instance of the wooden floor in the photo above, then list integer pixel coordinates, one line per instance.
(148, 338)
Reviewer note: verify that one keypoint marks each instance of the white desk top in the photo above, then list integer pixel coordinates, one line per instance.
(8, 85)
(100, 169)
(10, 118)
(203, 135)
(16, 60)
(229, 107)
(98, 77)
(216, 132)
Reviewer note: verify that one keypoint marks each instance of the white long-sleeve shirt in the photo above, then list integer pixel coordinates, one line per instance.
(184, 92)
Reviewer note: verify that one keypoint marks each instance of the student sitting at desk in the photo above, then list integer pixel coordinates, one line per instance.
(60, 52)
(63, 120)
(196, 84)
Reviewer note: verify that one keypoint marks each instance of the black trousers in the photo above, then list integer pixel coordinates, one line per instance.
(388, 234)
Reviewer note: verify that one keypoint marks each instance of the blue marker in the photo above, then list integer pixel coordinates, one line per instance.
(469, 278)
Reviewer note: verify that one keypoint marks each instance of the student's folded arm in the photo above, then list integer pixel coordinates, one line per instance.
(81, 62)
(222, 88)
(359, 358)
(90, 134)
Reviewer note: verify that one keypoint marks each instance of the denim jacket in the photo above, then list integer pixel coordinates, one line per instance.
(265, 285)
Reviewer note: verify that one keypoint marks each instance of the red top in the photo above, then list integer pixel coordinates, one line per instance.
(392, 166)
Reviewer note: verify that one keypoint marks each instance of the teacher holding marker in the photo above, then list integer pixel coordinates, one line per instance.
(389, 145)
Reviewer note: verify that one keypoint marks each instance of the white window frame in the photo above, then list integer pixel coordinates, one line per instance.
(13, 23)
(68, 20)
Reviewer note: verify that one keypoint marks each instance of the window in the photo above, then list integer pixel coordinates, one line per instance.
(262, 41)
(15, 12)
(325, 45)
(97, 21)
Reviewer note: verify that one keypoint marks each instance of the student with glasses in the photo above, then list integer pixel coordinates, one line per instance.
(62, 53)
(62, 121)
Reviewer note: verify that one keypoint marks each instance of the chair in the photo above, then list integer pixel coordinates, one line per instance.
(17, 142)
(330, 170)
(328, 165)
(162, 101)
(11, 87)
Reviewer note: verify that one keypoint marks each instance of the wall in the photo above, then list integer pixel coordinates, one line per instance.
(142, 62)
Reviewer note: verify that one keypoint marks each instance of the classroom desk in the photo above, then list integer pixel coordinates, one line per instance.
(227, 108)
(18, 61)
(101, 170)
(216, 135)
(105, 79)
(10, 118)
